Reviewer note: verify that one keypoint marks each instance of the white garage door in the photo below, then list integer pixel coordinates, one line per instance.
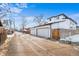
(33, 31)
(44, 32)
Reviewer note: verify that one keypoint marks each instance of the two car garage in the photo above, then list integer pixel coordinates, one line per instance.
(46, 32)
(41, 31)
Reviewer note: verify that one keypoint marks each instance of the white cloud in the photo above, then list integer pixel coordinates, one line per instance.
(75, 17)
(22, 5)
(15, 10)
(30, 21)
(30, 18)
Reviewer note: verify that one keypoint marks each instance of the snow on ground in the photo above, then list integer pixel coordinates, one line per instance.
(74, 38)
(4, 46)
(10, 36)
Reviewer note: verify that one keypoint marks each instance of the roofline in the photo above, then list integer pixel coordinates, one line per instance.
(65, 16)
(47, 24)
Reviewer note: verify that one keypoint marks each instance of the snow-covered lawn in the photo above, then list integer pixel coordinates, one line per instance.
(74, 38)
(4, 46)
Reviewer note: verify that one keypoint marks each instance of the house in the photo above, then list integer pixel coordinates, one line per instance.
(57, 27)
(26, 30)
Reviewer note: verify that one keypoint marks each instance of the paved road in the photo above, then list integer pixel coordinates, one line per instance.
(28, 45)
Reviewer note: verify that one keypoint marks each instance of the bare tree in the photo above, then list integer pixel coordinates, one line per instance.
(24, 22)
(4, 12)
(38, 19)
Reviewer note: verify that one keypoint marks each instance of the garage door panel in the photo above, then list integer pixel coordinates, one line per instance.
(44, 32)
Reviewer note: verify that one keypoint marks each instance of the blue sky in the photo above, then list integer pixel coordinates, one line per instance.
(47, 9)
(50, 9)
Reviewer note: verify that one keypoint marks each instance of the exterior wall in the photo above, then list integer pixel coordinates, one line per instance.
(72, 25)
(58, 18)
(33, 31)
(44, 31)
(64, 25)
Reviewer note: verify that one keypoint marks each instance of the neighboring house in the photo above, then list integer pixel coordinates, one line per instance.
(55, 28)
(26, 30)
(3, 34)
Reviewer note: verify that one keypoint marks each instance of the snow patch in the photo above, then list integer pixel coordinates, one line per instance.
(74, 38)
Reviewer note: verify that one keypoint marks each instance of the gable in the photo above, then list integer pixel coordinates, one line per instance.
(61, 16)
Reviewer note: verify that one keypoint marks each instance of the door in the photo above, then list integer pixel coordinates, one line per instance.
(56, 34)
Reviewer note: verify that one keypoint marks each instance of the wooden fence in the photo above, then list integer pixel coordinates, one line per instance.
(3, 35)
